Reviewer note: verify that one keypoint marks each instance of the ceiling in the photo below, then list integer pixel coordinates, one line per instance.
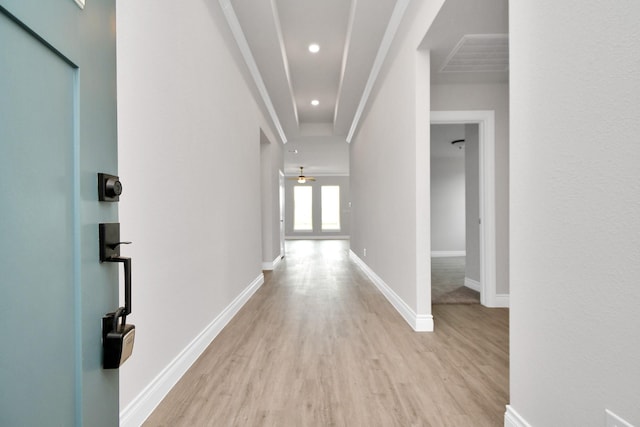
(483, 53)
(274, 36)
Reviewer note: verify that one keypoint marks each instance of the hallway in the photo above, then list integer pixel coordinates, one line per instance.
(318, 345)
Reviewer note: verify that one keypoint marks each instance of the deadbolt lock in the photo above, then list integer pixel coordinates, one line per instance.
(109, 188)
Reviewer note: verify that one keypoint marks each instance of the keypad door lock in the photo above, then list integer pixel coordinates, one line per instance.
(117, 339)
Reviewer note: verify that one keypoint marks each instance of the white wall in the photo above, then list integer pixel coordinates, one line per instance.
(487, 97)
(575, 203)
(189, 153)
(447, 190)
(326, 155)
(390, 210)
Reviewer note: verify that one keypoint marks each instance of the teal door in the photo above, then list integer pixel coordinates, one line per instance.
(57, 131)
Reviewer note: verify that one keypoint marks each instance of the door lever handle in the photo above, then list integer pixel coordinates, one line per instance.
(127, 280)
(109, 235)
(115, 245)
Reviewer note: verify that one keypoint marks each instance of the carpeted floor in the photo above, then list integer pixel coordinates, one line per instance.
(447, 282)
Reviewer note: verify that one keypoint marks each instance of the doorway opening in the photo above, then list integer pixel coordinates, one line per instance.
(485, 121)
(455, 235)
(281, 202)
(271, 203)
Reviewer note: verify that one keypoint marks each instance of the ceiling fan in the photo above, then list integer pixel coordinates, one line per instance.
(301, 178)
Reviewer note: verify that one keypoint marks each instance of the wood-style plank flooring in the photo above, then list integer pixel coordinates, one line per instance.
(447, 282)
(319, 345)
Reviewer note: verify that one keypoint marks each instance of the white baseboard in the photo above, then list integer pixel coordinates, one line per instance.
(271, 265)
(472, 284)
(513, 419)
(419, 322)
(501, 301)
(143, 405)
(277, 261)
(446, 254)
(302, 237)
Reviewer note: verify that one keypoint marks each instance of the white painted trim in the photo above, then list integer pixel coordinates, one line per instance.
(272, 265)
(513, 419)
(285, 61)
(241, 41)
(419, 322)
(501, 301)
(486, 122)
(447, 254)
(345, 56)
(472, 284)
(316, 237)
(143, 405)
(385, 44)
(614, 420)
(281, 209)
(278, 260)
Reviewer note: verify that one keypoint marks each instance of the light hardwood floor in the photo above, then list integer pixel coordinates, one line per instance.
(447, 282)
(318, 345)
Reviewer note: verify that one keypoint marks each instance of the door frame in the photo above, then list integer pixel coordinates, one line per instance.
(281, 197)
(485, 119)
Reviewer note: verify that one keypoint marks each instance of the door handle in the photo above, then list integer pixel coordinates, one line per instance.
(126, 261)
(109, 236)
(117, 340)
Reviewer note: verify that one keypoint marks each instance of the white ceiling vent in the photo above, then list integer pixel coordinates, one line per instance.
(479, 53)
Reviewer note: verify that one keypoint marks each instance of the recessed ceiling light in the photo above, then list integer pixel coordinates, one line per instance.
(314, 48)
(315, 102)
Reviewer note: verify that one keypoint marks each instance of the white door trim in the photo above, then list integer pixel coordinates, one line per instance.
(486, 122)
(281, 196)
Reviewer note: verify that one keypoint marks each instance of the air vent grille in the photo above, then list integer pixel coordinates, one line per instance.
(477, 53)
